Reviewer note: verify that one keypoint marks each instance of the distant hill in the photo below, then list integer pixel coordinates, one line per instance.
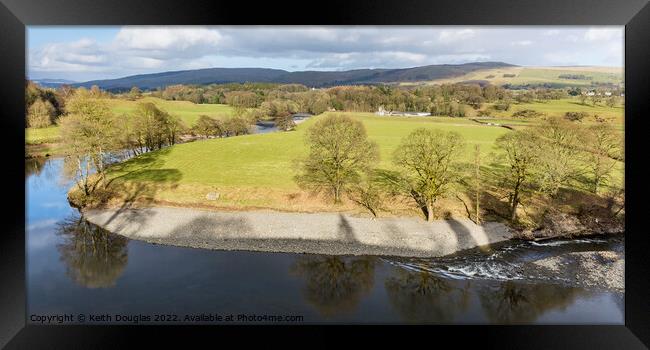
(308, 78)
(53, 83)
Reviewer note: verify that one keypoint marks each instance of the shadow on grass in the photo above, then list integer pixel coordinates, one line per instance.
(140, 180)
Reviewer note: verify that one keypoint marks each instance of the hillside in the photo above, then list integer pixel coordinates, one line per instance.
(309, 78)
(553, 77)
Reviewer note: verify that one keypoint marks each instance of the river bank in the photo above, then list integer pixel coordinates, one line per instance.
(318, 233)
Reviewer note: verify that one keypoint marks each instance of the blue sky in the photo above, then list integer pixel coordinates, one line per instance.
(85, 53)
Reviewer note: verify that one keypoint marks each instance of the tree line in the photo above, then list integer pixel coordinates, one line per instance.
(342, 161)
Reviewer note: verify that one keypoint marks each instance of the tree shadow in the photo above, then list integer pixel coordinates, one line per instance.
(140, 181)
(421, 297)
(515, 302)
(94, 257)
(335, 285)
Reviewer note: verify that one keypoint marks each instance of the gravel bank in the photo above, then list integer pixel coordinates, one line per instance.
(322, 233)
(601, 269)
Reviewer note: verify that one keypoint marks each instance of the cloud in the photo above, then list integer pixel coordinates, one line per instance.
(80, 55)
(166, 38)
(603, 34)
(450, 36)
(551, 32)
(143, 49)
(521, 43)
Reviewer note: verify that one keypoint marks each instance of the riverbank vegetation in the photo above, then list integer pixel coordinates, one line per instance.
(545, 159)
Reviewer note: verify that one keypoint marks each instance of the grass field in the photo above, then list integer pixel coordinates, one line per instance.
(257, 171)
(45, 140)
(540, 75)
(188, 112)
(267, 159)
(34, 136)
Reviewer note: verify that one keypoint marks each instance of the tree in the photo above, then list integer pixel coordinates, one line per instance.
(285, 122)
(583, 99)
(477, 181)
(40, 114)
(611, 102)
(557, 145)
(88, 133)
(595, 99)
(95, 91)
(426, 158)
(236, 126)
(207, 126)
(135, 93)
(368, 193)
(339, 152)
(520, 156)
(604, 144)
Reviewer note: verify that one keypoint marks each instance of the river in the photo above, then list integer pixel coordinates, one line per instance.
(77, 268)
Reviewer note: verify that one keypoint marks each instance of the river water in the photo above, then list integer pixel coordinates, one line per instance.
(76, 268)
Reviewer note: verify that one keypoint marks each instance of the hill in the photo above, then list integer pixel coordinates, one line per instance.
(552, 77)
(308, 78)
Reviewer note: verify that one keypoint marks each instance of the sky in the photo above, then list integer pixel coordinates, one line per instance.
(86, 53)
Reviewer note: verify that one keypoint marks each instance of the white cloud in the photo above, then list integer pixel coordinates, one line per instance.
(551, 32)
(603, 34)
(166, 38)
(139, 50)
(449, 36)
(521, 43)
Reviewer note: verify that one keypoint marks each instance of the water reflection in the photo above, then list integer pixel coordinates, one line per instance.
(420, 296)
(93, 257)
(34, 166)
(513, 302)
(335, 285)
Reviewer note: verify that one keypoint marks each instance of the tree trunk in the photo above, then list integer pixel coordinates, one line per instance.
(429, 211)
(337, 194)
(513, 208)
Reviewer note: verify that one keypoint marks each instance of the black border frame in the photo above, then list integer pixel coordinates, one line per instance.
(634, 14)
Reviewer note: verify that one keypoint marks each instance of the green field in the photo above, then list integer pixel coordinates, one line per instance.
(541, 75)
(44, 140)
(188, 112)
(34, 136)
(257, 171)
(266, 160)
(559, 107)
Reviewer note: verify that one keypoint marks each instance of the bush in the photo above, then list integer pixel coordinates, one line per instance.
(237, 126)
(285, 122)
(40, 114)
(501, 105)
(527, 113)
(207, 126)
(575, 116)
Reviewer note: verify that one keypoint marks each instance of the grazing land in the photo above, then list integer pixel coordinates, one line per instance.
(540, 75)
(40, 142)
(188, 112)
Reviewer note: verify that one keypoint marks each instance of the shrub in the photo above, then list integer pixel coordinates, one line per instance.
(527, 113)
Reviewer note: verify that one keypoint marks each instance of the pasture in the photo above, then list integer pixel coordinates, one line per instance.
(540, 75)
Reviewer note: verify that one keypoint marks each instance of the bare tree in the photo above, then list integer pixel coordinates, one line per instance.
(604, 145)
(426, 157)
(339, 152)
(558, 148)
(520, 156)
(477, 181)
